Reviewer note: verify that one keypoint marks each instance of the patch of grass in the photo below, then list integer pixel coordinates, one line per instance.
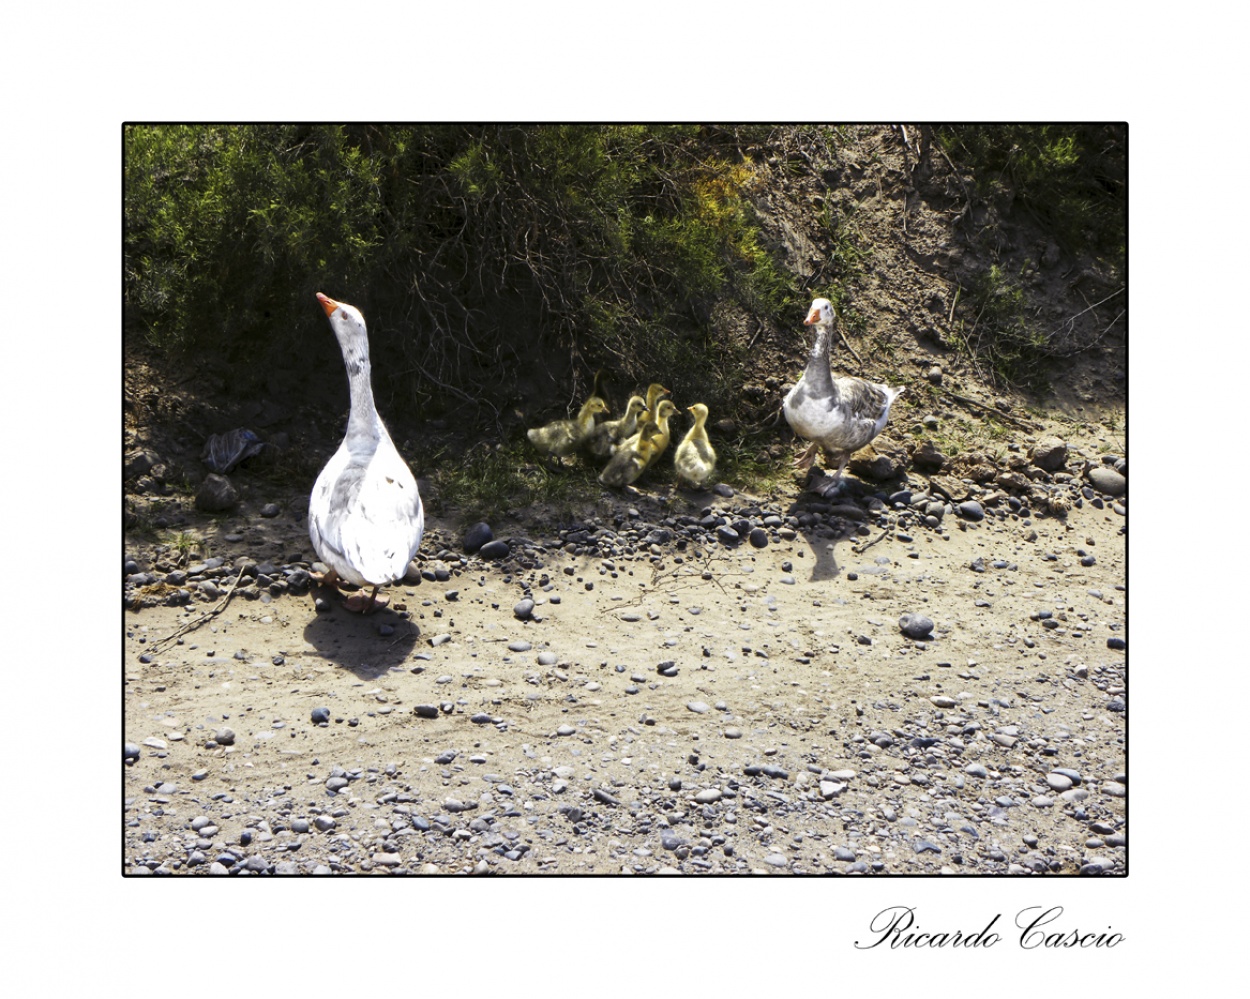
(998, 333)
(493, 482)
(185, 543)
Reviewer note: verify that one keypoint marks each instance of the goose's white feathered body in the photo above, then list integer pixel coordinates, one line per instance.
(840, 415)
(365, 516)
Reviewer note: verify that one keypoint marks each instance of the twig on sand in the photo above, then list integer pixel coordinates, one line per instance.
(860, 549)
(998, 413)
(190, 626)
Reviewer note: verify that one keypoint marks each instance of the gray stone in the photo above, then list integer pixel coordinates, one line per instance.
(216, 494)
(915, 626)
(494, 549)
(971, 510)
(1049, 454)
(1108, 481)
(476, 536)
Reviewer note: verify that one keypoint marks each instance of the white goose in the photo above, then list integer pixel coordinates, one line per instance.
(840, 415)
(365, 516)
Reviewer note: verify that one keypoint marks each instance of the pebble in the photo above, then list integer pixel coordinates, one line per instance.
(547, 659)
(320, 715)
(758, 538)
(523, 609)
(519, 645)
(1108, 481)
(916, 626)
(496, 549)
(698, 707)
(130, 751)
(476, 536)
(971, 509)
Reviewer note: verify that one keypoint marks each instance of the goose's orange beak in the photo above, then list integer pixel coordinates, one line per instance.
(812, 317)
(327, 303)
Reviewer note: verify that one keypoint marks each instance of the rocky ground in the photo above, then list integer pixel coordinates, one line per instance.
(930, 679)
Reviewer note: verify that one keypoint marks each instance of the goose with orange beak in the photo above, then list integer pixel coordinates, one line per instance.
(837, 415)
(365, 517)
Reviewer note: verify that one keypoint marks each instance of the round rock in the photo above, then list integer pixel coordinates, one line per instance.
(915, 626)
(494, 549)
(1108, 481)
(971, 510)
(476, 536)
(216, 494)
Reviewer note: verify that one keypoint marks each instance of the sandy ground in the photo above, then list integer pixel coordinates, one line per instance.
(797, 731)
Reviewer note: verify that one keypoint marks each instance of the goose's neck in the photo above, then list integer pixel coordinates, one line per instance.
(364, 420)
(818, 375)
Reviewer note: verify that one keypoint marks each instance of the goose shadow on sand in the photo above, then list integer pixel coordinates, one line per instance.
(356, 642)
(824, 523)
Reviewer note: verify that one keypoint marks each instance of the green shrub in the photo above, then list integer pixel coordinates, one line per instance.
(1071, 178)
(472, 250)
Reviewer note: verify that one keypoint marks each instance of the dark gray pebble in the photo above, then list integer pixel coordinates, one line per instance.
(971, 509)
(476, 536)
(320, 715)
(915, 626)
(494, 549)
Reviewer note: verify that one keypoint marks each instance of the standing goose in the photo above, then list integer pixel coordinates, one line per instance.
(695, 458)
(840, 415)
(365, 516)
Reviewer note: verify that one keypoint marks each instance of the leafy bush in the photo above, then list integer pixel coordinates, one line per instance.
(1071, 178)
(473, 250)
